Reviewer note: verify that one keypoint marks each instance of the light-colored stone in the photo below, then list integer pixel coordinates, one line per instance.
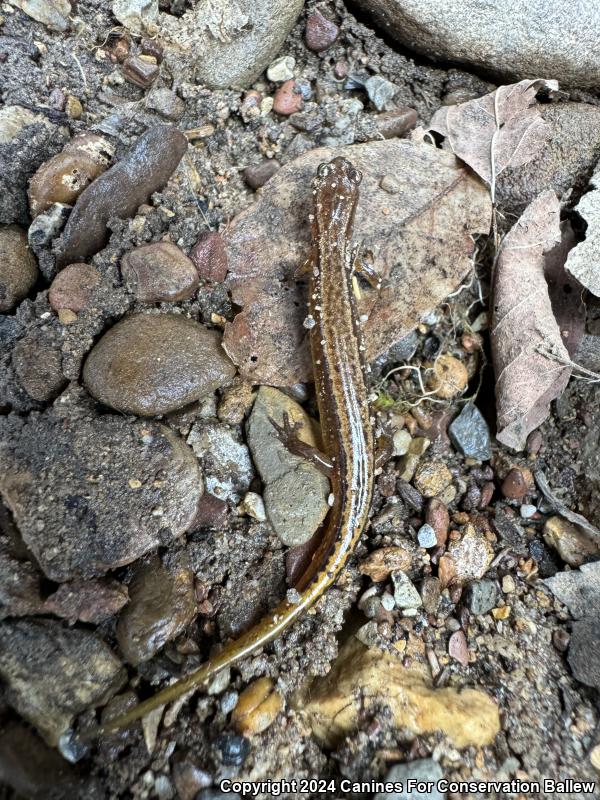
(54, 14)
(472, 554)
(570, 542)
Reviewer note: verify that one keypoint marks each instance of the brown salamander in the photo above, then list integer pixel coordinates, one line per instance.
(339, 372)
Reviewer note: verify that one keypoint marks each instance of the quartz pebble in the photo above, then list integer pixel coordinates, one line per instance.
(209, 257)
(527, 511)
(253, 506)
(159, 272)
(390, 184)
(426, 536)
(18, 267)
(470, 434)
(149, 364)
(73, 287)
(282, 69)
(320, 32)
(288, 99)
(401, 442)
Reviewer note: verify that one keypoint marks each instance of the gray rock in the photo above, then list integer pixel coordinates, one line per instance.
(94, 493)
(405, 594)
(282, 69)
(136, 15)
(47, 225)
(426, 536)
(584, 651)
(165, 102)
(53, 673)
(18, 267)
(470, 433)
(380, 91)
(226, 462)
(482, 596)
(423, 769)
(578, 589)
(54, 14)
(517, 39)
(295, 491)
(232, 43)
(150, 364)
(582, 261)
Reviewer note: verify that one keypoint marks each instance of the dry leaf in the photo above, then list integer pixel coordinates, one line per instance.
(565, 292)
(499, 130)
(584, 261)
(419, 240)
(529, 355)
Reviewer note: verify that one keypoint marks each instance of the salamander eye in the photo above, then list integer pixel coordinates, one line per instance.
(323, 170)
(355, 175)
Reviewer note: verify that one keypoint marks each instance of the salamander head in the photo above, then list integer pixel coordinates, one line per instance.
(336, 189)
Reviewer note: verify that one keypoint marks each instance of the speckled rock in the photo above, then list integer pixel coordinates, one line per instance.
(73, 287)
(515, 40)
(38, 367)
(159, 272)
(472, 554)
(320, 32)
(53, 673)
(112, 490)
(432, 477)
(162, 604)
(482, 596)
(18, 267)
(470, 434)
(226, 461)
(165, 102)
(295, 491)
(423, 770)
(150, 364)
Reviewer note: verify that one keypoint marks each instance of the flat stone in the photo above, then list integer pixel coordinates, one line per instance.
(18, 267)
(282, 69)
(165, 102)
(53, 673)
(396, 122)
(209, 257)
(93, 601)
(584, 651)
(94, 493)
(257, 176)
(159, 272)
(470, 434)
(380, 91)
(515, 42)
(150, 364)
(162, 605)
(423, 770)
(482, 596)
(426, 536)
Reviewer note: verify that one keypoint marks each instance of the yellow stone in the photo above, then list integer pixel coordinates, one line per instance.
(363, 677)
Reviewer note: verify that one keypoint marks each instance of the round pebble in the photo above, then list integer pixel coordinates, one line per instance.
(288, 99)
(426, 536)
(390, 184)
(257, 176)
(320, 32)
(18, 267)
(209, 257)
(159, 272)
(432, 477)
(73, 287)
(527, 511)
(150, 364)
(282, 69)
(450, 377)
(517, 483)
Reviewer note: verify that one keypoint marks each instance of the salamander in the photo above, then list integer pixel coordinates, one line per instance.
(340, 375)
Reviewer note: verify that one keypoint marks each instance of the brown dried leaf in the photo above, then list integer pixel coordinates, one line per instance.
(499, 130)
(527, 348)
(420, 240)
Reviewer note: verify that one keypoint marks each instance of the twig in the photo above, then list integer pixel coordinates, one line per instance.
(586, 375)
(558, 505)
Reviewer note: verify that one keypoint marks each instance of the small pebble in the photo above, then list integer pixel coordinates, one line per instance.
(508, 584)
(472, 554)
(570, 542)
(165, 102)
(426, 536)
(140, 71)
(387, 601)
(560, 640)
(395, 123)
(517, 483)
(73, 107)
(430, 594)
(234, 749)
(257, 707)
(282, 69)
(390, 184)
(257, 176)
(438, 517)
(457, 648)
(527, 511)
(320, 32)
(253, 506)
(401, 442)
(470, 434)
(449, 378)
(380, 91)
(405, 594)
(432, 477)
(72, 288)
(482, 596)
(424, 771)
(368, 634)
(159, 272)
(209, 257)
(288, 99)
(18, 267)
(595, 757)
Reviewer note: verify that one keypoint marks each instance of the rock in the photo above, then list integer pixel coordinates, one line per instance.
(432, 477)
(189, 779)
(77, 510)
(209, 257)
(62, 178)
(53, 673)
(431, 591)
(253, 506)
(282, 69)
(472, 554)
(230, 45)
(159, 273)
(362, 678)
(401, 441)
(257, 176)
(234, 750)
(18, 267)
(162, 605)
(424, 770)
(405, 594)
(396, 122)
(150, 364)
(142, 71)
(92, 601)
(257, 707)
(381, 563)
(236, 402)
(565, 162)
(46, 226)
(19, 586)
(380, 91)
(73, 287)
(579, 589)
(584, 651)
(437, 515)
(295, 491)
(449, 378)
(470, 434)
(136, 15)
(582, 258)
(320, 32)
(120, 191)
(457, 648)
(482, 596)
(514, 43)
(570, 542)
(518, 483)
(288, 99)
(390, 184)
(38, 367)
(426, 536)
(226, 462)
(165, 102)
(54, 14)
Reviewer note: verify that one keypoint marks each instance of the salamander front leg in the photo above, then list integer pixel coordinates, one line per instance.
(287, 435)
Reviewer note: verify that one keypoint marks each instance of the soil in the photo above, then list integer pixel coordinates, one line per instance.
(549, 721)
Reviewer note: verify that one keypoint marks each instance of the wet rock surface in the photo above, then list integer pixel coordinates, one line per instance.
(159, 272)
(53, 673)
(112, 491)
(150, 364)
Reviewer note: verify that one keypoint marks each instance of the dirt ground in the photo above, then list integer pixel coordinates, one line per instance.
(549, 721)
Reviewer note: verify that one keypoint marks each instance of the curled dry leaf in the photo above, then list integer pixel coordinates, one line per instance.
(419, 240)
(565, 292)
(529, 355)
(499, 130)
(584, 260)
